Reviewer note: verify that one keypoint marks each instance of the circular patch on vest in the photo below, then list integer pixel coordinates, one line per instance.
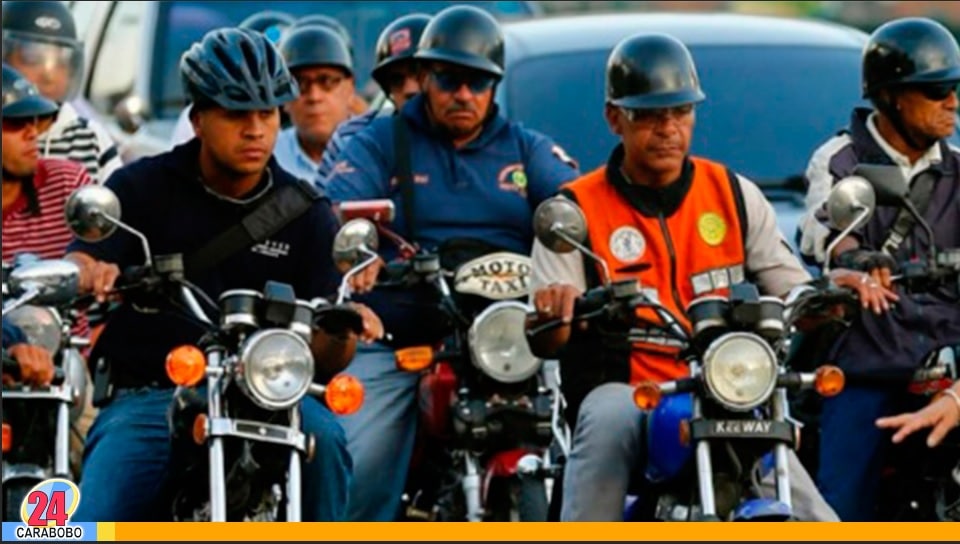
(712, 228)
(627, 244)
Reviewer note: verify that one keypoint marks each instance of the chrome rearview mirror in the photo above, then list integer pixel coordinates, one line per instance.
(850, 205)
(53, 281)
(354, 248)
(561, 227)
(92, 212)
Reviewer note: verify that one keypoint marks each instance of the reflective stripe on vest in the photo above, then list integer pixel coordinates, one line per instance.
(696, 251)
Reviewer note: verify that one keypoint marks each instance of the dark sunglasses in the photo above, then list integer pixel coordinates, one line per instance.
(937, 91)
(398, 78)
(17, 124)
(652, 115)
(450, 82)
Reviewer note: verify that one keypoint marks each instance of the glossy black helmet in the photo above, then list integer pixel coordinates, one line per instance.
(909, 51)
(652, 70)
(43, 34)
(21, 97)
(398, 42)
(464, 35)
(237, 69)
(315, 45)
(270, 23)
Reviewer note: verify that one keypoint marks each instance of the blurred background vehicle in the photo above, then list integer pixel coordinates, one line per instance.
(133, 51)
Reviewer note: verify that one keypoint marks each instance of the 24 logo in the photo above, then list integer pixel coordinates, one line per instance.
(50, 503)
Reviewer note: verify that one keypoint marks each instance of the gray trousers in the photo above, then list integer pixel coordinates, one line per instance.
(607, 452)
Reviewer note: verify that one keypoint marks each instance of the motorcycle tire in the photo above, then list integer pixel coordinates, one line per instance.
(517, 499)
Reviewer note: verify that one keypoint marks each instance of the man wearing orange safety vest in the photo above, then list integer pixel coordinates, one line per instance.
(685, 227)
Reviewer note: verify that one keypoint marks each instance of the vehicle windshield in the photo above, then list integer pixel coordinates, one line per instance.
(181, 23)
(767, 108)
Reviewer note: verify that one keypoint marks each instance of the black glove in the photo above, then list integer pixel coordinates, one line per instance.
(866, 260)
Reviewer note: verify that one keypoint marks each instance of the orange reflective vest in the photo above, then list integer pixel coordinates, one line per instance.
(696, 251)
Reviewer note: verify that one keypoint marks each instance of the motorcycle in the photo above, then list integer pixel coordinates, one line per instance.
(910, 490)
(490, 427)
(234, 419)
(38, 298)
(716, 433)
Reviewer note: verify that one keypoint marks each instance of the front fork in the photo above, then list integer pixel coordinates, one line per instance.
(705, 464)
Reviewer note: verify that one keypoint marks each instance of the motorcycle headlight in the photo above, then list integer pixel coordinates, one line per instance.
(41, 325)
(740, 370)
(498, 344)
(277, 368)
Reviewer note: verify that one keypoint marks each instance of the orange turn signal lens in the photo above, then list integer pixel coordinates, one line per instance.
(200, 429)
(829, 381)
(414, 359)
(186, 365)
(344, 395)
(7, 437)
(646, 395)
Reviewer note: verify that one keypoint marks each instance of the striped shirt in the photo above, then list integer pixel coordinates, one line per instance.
(45, 235)
(81, 140)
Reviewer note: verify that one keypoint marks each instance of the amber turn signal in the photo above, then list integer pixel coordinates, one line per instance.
(344, 394)
(7, 437)
(414, 359)
(646, 395)
(200, 429)
(829, 381)
(186, 365)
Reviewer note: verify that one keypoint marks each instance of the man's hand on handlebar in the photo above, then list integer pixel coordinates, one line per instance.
(96, 277)
(872, 292)
(555, 301)
(36, 364)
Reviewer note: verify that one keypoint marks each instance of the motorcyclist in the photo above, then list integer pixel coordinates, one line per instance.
(40, 41)
(395, 71)
(473, 174)
(358, 104)
(237, 81)
(683, 226)
(911, 68)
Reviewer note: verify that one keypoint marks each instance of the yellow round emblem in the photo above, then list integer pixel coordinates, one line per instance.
(712, 228)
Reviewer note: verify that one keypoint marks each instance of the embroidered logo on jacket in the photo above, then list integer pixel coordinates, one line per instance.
(513, 178)
(273, 249)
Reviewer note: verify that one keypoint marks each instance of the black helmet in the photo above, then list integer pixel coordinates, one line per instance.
(237, 69)
(315, 45)
(43, 33)
(21, 98)
(464, 35)
(329, 22)
(652, 70)
(909, 50)
(397, 42)
(270, 23)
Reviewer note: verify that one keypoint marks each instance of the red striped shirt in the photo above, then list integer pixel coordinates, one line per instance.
(45, 235)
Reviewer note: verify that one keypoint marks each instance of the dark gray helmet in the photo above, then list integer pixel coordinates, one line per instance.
(398, 42)
(21, 98)
(464, 35)
(912, 50)
(315, 45)
(237, 69)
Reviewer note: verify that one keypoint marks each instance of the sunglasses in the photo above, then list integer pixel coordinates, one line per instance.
(450, 82)
(650, 115)
(327, 83)
(396, 79)
(19, 124)
(937, 91)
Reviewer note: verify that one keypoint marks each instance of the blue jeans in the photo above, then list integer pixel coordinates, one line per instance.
(380, 436)
(126, 466)
(852, 448)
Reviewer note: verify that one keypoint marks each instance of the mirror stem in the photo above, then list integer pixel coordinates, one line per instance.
(344, 290)
(143, 239)
(864, 213)
(908, 204)
(28, 295)
(603, 265)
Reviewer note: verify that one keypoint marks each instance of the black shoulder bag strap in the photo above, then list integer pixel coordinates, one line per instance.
(401, 153)
(920, 193)
(280, 208)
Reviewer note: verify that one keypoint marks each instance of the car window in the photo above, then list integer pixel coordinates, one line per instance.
(115, 70)
(184, 22)
(767, 108)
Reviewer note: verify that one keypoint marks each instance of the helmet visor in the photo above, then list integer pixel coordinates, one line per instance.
(56, 68)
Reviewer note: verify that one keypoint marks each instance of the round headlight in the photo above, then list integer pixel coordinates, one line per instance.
(498, 345)
(277, 368)
(41, 325)
(740, 370)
